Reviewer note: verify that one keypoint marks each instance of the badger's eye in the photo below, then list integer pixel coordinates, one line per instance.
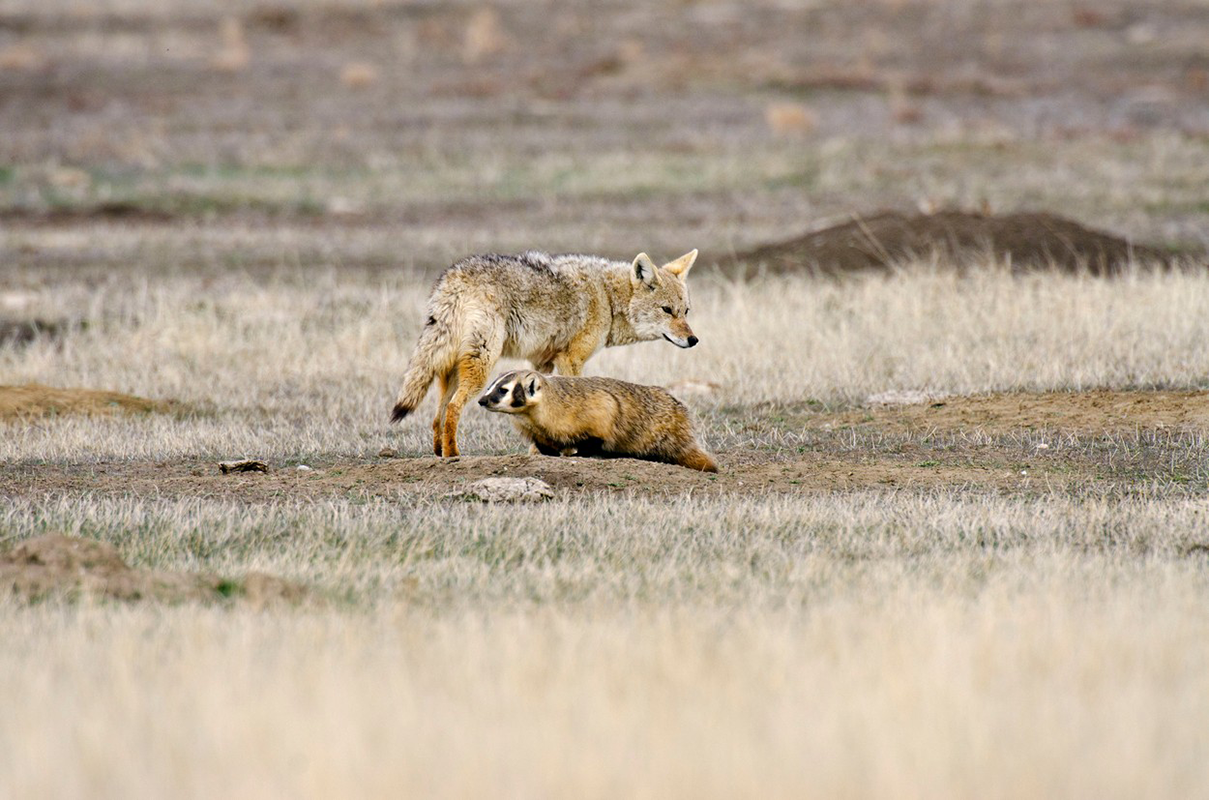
(667, 309)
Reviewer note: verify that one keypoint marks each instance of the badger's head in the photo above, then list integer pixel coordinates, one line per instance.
(513, 392)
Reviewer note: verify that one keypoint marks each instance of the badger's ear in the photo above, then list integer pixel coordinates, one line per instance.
(644, 270)
(531, 386)
(682, 265)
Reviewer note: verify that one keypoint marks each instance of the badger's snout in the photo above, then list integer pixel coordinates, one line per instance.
(483, 401)
(692, 340)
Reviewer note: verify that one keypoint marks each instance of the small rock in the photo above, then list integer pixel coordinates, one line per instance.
(246, 465)
(303, 468)
(388, 452)
(505, 490)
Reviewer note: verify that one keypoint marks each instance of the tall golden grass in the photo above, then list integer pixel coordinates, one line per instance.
(864, 645)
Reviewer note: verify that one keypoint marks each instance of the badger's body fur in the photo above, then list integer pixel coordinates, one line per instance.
(597, 417)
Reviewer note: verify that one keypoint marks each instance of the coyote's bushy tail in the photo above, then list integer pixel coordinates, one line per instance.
(434, 353)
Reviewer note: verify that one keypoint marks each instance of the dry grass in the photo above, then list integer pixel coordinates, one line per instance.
(245, 235)
(870, 643)
(1045, 693)
(293, 369)
(762, 552)
(866, 645)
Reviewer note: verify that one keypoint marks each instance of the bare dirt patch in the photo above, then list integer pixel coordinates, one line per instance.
(429, 477)
(1092, 412)
(978, 442)
(68, 566)
(106, 211)
(1027, 241)
(35, 400)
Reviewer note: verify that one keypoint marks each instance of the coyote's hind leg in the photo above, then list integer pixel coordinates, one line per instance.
(449, 382)
(473, 370)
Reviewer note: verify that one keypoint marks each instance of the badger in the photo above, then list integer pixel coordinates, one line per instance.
(597, 417)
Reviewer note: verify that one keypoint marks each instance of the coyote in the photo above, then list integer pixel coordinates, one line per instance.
(556, 311)
(597, 416)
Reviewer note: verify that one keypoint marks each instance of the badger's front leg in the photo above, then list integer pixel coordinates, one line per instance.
(537, 447)
(537, 450)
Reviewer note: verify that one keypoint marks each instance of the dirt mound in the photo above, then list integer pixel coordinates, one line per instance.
(1028, 241)
(67, 566)
(36, 400)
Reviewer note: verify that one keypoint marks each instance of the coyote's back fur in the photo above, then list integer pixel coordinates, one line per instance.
(554, 310)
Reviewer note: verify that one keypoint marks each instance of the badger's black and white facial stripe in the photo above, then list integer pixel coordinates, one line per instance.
(510, 392)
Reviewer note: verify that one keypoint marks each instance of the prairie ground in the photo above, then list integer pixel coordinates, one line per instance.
(958, 545)
(1005, 576)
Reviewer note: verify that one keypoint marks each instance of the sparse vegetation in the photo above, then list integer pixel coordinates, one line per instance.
(802, 599)
(959, 544)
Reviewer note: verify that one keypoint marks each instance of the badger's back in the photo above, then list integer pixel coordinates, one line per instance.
(626, 419)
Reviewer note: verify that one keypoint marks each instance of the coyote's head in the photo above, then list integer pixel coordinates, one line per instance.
(660, 301)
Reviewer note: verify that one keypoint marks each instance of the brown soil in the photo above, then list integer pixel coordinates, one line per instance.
(121, 211)
(1091, 412)
(918, 447)
(1028, 241)
(67, 566)
(429, 476)
(36, 400)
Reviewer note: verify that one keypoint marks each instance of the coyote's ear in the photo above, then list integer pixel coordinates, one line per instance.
(682, 265)
(644, 270)
(531, 386)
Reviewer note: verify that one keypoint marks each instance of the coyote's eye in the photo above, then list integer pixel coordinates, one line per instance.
(667, 309)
